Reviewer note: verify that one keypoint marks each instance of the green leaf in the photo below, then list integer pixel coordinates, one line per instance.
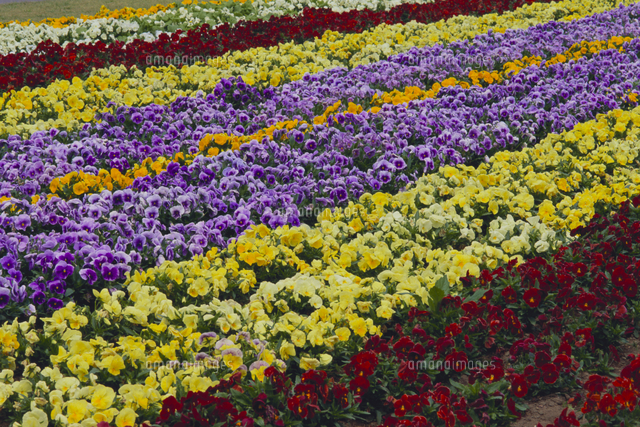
(435, 296)
(493, 387)
(476, 296)
(443, 283)
(438, 292)
(456, 385)
(128, 331)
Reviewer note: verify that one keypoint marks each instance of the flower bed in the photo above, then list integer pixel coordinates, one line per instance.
(183, 209)
(50, 61)
(374, 273)
(147, 25)
(536, 327)
(422, 240)
(66, 104)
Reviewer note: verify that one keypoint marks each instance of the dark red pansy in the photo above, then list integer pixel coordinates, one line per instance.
(614, 353)
(296, 406)
(453, 329)
(630, 288)
(401, 406)
(447, 415)
(509, 294)
(443, 344)
(565, 348)
(487, 296)
(596, 383)
(542, 358)
(589, 405)
(377, 344)
(414, 313)
(420, 421)
(549, 373)
(512, 263)
(627, 399)
(618, 275)
(479, 404)
(403, 347)
(340, 394)
(417, 352)
(513, 323)
(583, 336)
(542, 346)
(472, 308)
(485, 277)
(475, 375)
(580, 269)
(608, 405)
(519, 385)
(407, 371)
(359, 385)
(511, 405)
(308, 391)
(420, 333)
(565, 280)
(456, 360)
(493, 374)
(531, 374)
(567, 420)
(562, 361)
(314, 377)
(365, 357)
(172, 404)
(588, 302)
(463, 417)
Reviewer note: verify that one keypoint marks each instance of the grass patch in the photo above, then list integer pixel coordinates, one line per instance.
(39, 10)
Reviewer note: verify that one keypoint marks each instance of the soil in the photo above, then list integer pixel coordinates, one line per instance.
(360, 424)
(631, 347)
(543, 410)
(546, 409)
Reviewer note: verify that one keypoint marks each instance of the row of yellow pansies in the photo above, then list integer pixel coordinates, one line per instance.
(308, 291)
(79, 183)
(65, 104)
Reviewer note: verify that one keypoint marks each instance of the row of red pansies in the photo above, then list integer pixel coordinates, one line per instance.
(550, 319)
(49, 61)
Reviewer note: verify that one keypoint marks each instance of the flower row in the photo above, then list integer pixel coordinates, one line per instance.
(64, 104)
(17, 37)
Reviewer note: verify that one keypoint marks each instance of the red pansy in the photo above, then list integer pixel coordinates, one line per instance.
(549, 373)
(519, 385)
